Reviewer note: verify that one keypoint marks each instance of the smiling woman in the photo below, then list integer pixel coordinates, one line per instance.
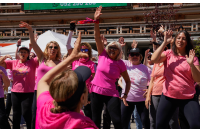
(47, 60)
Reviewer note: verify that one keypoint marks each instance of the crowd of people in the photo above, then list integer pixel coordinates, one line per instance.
(71, 92)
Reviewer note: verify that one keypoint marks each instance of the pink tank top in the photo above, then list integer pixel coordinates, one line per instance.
(41, 71)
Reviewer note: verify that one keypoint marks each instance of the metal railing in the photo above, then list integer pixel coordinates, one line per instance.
(137, 28)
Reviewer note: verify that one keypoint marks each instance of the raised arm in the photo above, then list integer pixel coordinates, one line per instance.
(99, 44)
(2, 60)
(194, 69)
(43, 84)
(158, 56)
(145, 62)
(18, 44)
(36, 48)
(68, 45)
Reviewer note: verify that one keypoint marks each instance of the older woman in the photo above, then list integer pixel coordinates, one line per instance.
(109, 69)
(181, 70)
(47, 60)
(61, 95)
(139, 75)
(22, 92)
(85, 48)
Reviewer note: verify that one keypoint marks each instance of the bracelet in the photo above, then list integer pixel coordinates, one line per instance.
(125, 94)
(18, 45)
(96, 21)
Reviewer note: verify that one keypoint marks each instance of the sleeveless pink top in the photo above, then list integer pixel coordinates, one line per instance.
(41, 71)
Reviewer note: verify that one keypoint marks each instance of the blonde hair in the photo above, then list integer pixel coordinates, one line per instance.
(58, 55)
(62, 87)
(118, 46)
(89, 48)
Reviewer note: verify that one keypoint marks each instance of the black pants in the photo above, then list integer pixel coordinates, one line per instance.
(113, 106)
(106, 118)
(87, 109)
(8, 104)
(22, 103)
(34, 108)
(126, 112)
(167, 107)
(3, 118)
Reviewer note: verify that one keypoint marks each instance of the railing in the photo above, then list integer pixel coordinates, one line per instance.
(137, 28)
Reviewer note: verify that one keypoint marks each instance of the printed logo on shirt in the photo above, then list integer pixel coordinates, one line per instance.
(21, 72)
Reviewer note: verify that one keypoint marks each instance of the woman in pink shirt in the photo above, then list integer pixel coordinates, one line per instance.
(47, 60)
(61, 95)
(110, 67)
(181, 70)
(85, 48)
(22, 92)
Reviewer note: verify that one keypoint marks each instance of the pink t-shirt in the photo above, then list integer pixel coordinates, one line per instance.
(178, 83)
(66, 120)
(90, 64)
(41, 71)
(158, 74)
(23, 74)
(107, 73)
(139, 76)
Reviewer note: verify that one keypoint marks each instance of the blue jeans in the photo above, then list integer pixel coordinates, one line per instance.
(137, 119)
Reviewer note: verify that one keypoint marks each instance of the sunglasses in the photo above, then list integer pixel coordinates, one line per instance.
(134, 54)
(55, 47)
(84, 50)
(114, 48)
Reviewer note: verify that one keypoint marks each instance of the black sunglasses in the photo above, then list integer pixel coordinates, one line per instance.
(114, 48)
(134, 54)
(55, 47)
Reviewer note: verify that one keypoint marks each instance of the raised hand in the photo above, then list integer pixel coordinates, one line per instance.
(76, 51)
(35, 37)
(147, 53)
(24, 24)
(121, 41)
(153, 35)
(19, 42)
(190, 59)
(8, 56)
(104, 40)
(134, 44)
(161, 29)
(168, 36)
(97, 13)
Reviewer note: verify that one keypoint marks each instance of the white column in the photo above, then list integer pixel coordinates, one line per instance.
(192, 27)
(120, 29)
(11, 34)
(15, 33)
(117, 30)
(196, 26)
(145, 29)
(76, 31)
(140, 29)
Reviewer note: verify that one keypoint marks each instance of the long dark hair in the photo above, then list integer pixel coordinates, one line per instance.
(189, 45)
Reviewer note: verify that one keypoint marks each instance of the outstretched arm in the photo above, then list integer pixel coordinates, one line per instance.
(43, 84)
(99, 44)
(158, 56)
(36, 48)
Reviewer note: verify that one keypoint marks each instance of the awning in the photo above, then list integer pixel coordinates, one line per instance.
(5, 44)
